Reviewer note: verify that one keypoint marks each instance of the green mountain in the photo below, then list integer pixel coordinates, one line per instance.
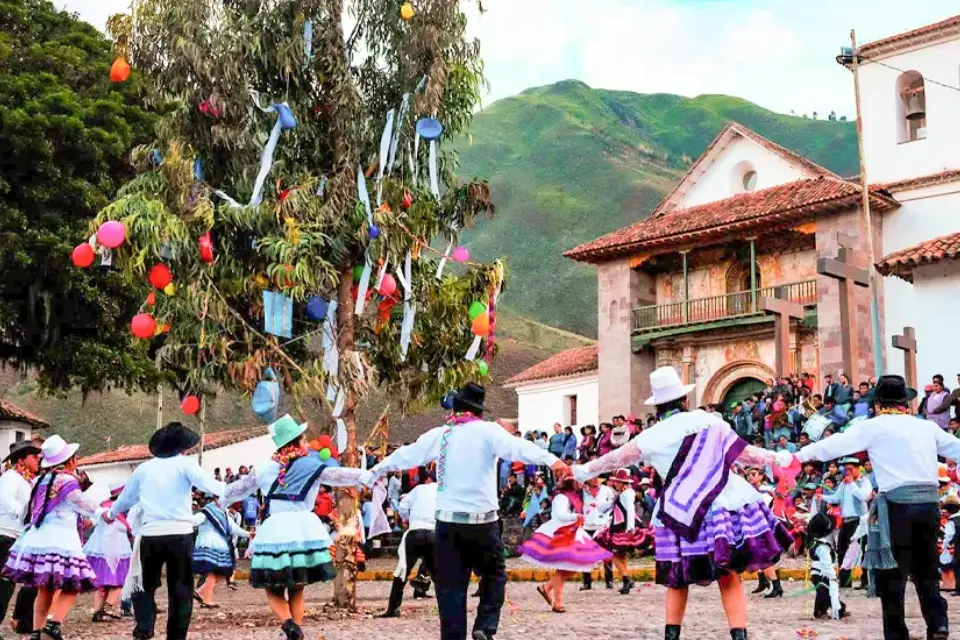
(568, 163)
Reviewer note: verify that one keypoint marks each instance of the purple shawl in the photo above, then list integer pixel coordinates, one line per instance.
(699, 473)
(64, 485)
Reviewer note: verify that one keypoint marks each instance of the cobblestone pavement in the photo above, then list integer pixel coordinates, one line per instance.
(599, 614)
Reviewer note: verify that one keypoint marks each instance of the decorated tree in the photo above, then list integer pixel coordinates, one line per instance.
(65, 134)
(297, 210)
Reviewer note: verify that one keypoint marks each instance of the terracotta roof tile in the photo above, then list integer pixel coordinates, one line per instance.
(903, 262)
(140, 452)
(929, 180)
(811, 168)
(10, 411)
(783, 205)
(565, 363)
(911, 38)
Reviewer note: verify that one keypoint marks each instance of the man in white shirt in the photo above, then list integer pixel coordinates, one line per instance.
(597, 509)
(24, 462)
(419, 509)
(163, 487)
(468, 535)
(904, 453)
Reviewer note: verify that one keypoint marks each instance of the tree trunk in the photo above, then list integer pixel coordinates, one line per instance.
(345, 584)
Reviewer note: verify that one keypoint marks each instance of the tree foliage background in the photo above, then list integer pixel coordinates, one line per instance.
(65, 135)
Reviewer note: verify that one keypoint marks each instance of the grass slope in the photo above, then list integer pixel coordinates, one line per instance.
(568, 163)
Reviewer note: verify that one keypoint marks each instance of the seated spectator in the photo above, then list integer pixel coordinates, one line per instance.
(785, 445)
(511, 501)
(861, 407)
(830, 409)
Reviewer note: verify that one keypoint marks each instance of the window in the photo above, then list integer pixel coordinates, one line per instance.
(750, 180)
(570, 409)
(744, 177)
(911, 107)
(19, 436)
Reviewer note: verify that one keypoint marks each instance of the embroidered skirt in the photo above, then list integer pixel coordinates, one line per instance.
(292, 549)
(748, 539)
(211, 554)
(563, 551)
(620, 541)
(50, 556)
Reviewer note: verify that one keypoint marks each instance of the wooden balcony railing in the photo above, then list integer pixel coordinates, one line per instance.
(729, 305)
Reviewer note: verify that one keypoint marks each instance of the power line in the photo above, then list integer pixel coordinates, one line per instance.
(925, 79)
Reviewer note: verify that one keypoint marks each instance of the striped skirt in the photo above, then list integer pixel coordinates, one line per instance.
(569, 549)
(749, 539)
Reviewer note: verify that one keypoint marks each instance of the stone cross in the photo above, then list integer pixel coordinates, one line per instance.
(782, 311)
(850, 276)
(908, 344)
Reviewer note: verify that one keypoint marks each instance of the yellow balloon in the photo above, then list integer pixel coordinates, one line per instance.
(406, 11)
(170, 289)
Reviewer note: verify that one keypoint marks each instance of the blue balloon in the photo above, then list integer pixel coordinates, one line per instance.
(287, 119)
(198, 172)
(447, 402)
(429, 128)
(374, 232)
(156, 158)
(317, 309)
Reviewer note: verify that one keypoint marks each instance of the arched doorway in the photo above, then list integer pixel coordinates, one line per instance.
(742, 389)
(731, 374)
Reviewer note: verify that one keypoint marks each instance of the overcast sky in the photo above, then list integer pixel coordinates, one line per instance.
(777, 53)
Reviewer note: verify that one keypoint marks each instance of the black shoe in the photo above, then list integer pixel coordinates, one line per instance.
(292, 630)
(586, 586)
(941, 634)
(627, 587)
(609, 584)
(671, 632)
(762, 584)
(777, 591)
(479, 634)
(52, 631)
(419, 594)
(738, 634)
(393, 613)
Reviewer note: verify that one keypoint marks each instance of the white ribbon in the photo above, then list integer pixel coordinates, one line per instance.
(331, 352)
(338, 405)
(443, 260)
(415, 161)
(406, 328)
(385, 140)
(434, 180)
(380, 274)
(341, 435)
(331, 392)
(359, 361)
(307, 42)
(473, 350)
(396, 131)
(363, 287)
(363, 195)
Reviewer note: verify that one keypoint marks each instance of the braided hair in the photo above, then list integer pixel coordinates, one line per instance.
(46, 496)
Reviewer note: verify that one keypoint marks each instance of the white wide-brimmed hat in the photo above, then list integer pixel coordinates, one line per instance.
(666, 386)
(56, 451)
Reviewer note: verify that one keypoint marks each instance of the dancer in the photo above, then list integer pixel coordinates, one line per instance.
(769, 577)
(468, 535)
(626, 532)
(948, 577)
(49, 555)
(823, 555)
(562, 545)
(162, 487)
(419, 508)
(905, 516)
(597, 506)
(292, 547)
(851, 496)
(704, 511)
(108, 551)
(23, 464)
(214, 552)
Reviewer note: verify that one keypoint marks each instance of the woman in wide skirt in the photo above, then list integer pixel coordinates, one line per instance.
(109, 551)
(561, 544)
(626, 533)
(214, 554)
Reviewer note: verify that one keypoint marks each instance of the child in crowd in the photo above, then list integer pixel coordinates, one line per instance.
(823, 557)
(948, 534)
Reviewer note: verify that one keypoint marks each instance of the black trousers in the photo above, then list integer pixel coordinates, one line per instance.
(913, 535)
(821, 603)
(461, 549)
(23, 608)
(845, 537)
(417, 546)
(176, 553)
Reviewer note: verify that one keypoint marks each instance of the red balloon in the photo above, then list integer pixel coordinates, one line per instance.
(143, 325)
(190, 405)
(151, 299)
(160, 275)
(120, 70)
(324, 442)
(481, 325)
(206, 248)
(83, 255)
(388, 286)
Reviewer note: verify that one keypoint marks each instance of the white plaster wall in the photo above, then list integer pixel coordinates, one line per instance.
(888, 160)
(8, 434)
(722, 179)
(937, 303)
(104, 475)
(924, 214)
(540, 404)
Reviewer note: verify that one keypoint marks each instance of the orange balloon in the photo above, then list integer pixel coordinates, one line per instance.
(120, 71)
(481, 325)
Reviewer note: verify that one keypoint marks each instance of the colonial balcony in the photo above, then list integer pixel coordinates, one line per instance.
(741, 307)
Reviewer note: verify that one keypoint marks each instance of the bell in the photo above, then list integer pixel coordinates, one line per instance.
(915, 108)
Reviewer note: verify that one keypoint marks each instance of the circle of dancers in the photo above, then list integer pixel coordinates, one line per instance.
(709, 525)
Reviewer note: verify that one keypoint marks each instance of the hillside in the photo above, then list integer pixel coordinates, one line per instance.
(568, 163)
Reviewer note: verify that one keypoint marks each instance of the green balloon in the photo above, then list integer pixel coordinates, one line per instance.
(476, 309)
(484, 367)
(357, 273)
(325, 454)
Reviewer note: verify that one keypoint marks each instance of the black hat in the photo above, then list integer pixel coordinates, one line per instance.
(820, 526)
(829, 399)
(172, 439)
(22, 449)
(891, 390)
(470, 398)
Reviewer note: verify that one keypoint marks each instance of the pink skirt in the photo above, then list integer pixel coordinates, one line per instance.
(561, 552)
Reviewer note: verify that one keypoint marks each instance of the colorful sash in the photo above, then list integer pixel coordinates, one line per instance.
(699, 473)
(221, 524)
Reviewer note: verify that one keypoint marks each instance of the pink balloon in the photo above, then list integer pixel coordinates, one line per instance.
(111, 234)
(460, 254)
